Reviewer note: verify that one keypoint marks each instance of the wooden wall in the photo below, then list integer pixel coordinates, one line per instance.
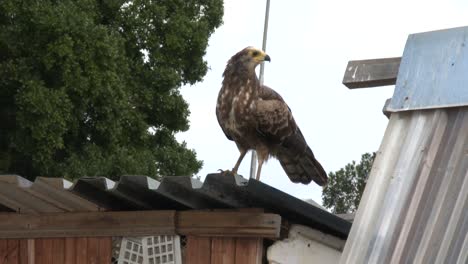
(206, 250)
(199, 250)
(56, 251)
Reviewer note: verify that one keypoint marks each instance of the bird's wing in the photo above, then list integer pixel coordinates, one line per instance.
(275, 121)
(221, 124)
(276, 124)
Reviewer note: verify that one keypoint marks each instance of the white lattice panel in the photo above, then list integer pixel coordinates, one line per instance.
(162, 249)
(150, 250)
(131, 252)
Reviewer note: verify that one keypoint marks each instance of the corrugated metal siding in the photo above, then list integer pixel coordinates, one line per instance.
(172, 193)
(415, 205)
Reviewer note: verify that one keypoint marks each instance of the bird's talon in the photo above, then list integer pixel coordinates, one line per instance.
(226, 172)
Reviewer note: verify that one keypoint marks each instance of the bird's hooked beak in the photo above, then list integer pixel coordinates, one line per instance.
(256, 56)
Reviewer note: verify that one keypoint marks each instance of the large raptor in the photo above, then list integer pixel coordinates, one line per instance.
(256, 117)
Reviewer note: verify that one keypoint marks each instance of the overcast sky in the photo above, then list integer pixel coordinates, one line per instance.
(310, 43)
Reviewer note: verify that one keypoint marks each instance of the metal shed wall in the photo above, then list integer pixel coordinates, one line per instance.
(415, 206)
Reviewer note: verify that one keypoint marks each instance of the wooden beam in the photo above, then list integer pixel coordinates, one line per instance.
(232, 224)
(371, 73)
(86, 224)
(139, 223)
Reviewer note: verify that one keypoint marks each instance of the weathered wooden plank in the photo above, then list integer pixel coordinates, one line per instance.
(229, 224)
(3, 249)
(93, 250)
(24, 251)
(48, 247)
(38, 251)
(85, 224)
(223, 250)
(371, 73)
(198, 250)
(43, 250)
(140, 223)
(13, 251)
(70, 250)
(105, 249)
(31, 251)
(81, 250)
(249, 250)
(58, 250)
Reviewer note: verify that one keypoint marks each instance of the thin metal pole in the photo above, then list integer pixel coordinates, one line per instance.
(253, 160)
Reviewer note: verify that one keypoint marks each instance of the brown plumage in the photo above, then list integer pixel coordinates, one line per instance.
(256, 117)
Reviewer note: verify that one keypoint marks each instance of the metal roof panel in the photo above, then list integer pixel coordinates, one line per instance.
(218, 191)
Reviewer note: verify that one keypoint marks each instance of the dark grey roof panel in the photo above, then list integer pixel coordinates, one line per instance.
(227, 189)
(296, 210)
(187, 191)
(218, 191)
(237, 192)
(145, 191)
(101, 192)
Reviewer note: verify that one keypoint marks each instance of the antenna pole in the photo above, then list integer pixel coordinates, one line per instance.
(253, 161)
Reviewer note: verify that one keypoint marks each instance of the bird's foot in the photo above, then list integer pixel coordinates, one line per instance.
(227, 172)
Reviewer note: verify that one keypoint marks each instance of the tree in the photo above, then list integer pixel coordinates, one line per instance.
(91, 87)
(345, 186)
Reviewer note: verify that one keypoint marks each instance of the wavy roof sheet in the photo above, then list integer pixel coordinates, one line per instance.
(173, 192)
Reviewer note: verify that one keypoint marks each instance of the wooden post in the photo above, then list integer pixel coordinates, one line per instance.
(206, 250)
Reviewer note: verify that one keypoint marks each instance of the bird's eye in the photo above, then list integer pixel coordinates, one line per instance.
(255, 53)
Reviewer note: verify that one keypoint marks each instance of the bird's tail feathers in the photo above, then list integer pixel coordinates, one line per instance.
(302, 167)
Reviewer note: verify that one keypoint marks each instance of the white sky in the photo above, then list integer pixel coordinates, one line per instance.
(310, 43)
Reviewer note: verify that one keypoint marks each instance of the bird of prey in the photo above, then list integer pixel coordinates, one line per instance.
(256, 117)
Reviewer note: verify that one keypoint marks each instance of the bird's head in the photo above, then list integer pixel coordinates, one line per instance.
(249, 58)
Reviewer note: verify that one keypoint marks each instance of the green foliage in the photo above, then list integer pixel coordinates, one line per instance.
(345, 186)
(91, 87)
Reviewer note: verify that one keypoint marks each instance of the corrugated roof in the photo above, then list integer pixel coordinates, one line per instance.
(415, 205)
(176, 193)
